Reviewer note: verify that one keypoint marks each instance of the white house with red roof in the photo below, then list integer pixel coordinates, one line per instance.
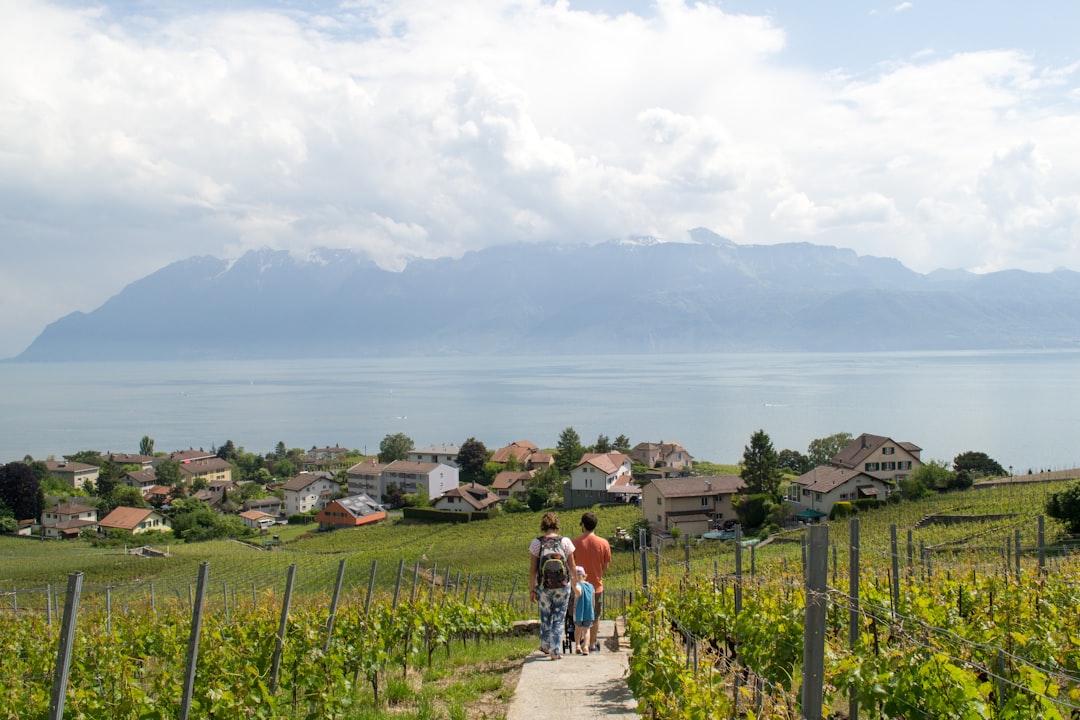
(592, 479)
(135, 520)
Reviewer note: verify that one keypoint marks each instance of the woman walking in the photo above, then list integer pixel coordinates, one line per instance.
(551, 557)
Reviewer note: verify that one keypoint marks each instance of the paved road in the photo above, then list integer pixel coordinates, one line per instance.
(577, 687)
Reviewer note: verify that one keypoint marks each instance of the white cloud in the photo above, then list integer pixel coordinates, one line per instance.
(423, 128)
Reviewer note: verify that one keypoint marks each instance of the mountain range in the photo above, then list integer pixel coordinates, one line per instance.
(642, 296)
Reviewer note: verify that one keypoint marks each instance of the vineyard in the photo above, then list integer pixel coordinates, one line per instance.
(950, 617)
(960, 606)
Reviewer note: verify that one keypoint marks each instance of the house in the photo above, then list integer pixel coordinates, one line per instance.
(135, 520)
(327, 459)
(813, 494)
(128, 459)
(593, 477)
(366, 478)
(268, 505)
(695, 505)
(434, 478)
(309, 491)
(68, 520)
(257, 519)
(446, 454)
(216, 495)
(467, 498)
(75, 474)
(669, 456)
(508, 483)
(352, 511)
(144, 479)
(158, 494)
(878, 456)
(210, 469)
(521, 450)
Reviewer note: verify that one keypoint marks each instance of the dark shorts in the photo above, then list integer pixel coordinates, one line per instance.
(598, 605)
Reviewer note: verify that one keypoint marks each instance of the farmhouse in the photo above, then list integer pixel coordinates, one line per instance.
(135, 520)
(695, 505)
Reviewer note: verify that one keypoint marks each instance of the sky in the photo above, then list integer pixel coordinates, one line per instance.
(944, 133)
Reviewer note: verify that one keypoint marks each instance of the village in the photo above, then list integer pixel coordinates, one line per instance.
(658, 477)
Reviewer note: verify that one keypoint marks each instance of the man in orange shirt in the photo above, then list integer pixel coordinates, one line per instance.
(594, 554)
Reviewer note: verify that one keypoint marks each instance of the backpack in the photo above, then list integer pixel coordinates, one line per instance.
(552, 569)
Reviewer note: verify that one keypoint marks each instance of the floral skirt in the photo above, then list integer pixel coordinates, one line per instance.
(553, 604)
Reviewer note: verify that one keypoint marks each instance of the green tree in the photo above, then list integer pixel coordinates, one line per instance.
(21, 491)
(822, 450)
(395, 447)
(794, 461)
(537, 498)
(621, 444)
(603, 444)
(280, 451)
(108, 480)
(568, 451)
(761, 465)
(978, 464)
(471, 458)
(1064, 505)
(227, 451)
(933, 475)
(126, 496)
(146, 446)
(284, 468)
(167, 472)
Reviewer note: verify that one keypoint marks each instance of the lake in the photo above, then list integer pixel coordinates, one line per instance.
(1021, 407)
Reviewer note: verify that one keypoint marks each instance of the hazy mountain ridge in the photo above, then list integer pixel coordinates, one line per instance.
(615, 297)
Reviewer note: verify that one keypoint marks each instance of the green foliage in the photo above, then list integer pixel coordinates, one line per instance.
(537, 497)
(621, 444)
(603, 444)
(472, 455)
(20, 491)
(87, 457)
(761, 465)
(822, 450)
(146, 446)
(794, 462)
(8, 524)
(978, 464)
(1065, 506)
(568, 451)
(167, 472)
(126, 496)
(108, 479)
(395, 447)
(753, 510)
(194, 521)
(933, 475)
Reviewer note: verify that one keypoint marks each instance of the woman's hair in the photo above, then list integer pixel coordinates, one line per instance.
(549, 522)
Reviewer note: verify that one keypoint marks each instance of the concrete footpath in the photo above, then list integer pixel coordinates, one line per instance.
(576, 687)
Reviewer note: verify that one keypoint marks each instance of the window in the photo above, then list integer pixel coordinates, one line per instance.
(658, 503)
(888, 450)
(871, 467)
(704, 502)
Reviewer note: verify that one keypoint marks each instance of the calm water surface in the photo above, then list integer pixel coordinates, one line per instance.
(1022, 408)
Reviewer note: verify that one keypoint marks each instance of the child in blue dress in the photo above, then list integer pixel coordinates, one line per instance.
(584, 616)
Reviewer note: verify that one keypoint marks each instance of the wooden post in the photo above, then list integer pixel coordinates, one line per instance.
(814, 627)
(67, 639)
(895, 571)
(853, 611)
(334, 605)
(193, 642)
(282, 627)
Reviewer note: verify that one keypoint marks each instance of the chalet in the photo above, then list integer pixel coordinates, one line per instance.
(509, 483)
(135, 520)
(521, 451)
(327, 459)
(467, 498)
(668, 456)
(75, 474)
(593, 478)
(310, 491)
(352, 511)
(695, 505)
(257, 519)
(68, 520)
(813, 494)
(878, 456)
